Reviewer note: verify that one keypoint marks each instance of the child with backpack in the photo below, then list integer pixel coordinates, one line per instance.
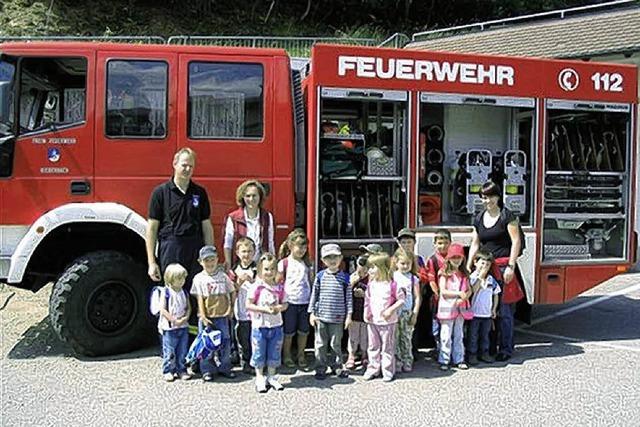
(382, 301)
(330, 309)
(429, 274)
(406, 268)
(266, 303)
(214, 292)
(484, 305)
(243, 276)
(453, 308)
(173, 323)
(358, 333)
(294, 271)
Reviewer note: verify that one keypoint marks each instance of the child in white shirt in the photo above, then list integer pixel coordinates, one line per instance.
(173, 323)
(294, 272)
(484, 304)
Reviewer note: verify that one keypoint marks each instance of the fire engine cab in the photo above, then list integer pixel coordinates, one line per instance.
(359, 144)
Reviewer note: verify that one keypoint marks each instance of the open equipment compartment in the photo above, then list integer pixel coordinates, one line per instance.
(466, 140)
(362, 152)
(586, 184)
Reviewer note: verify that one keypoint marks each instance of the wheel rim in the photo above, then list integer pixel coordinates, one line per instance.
(111, 307)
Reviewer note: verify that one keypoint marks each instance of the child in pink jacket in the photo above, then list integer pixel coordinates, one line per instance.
(382, 300)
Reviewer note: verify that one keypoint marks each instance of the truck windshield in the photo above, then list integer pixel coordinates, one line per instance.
(7, 72)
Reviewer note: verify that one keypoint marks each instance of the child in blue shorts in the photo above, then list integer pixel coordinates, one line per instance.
(266, 303)
(294, 272)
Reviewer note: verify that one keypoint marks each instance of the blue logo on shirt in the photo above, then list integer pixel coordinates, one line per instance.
(195, 199)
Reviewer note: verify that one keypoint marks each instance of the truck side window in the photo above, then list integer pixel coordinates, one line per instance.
(225, 100)
(52, 93)
(136, 99)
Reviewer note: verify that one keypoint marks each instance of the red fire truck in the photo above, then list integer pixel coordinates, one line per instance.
(358, 144)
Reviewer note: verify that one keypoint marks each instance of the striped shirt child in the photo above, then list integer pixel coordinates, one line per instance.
(331, 299)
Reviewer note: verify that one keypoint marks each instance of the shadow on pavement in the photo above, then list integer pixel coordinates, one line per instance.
(614, 319)
(41, 341)
(307, 380)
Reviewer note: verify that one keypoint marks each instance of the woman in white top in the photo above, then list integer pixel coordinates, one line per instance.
(249, 220)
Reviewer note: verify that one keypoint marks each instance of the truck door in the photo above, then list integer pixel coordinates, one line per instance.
(135, 125)
(51, 162)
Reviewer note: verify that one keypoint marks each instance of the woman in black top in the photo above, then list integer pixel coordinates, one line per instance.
(496, 230)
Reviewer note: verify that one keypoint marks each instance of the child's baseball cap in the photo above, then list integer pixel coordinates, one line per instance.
(330, 249)
(371, 248)
(406, 232)
(455, 250)
(207, 251)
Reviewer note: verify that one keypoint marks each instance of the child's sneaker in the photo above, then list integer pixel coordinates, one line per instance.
(302, 362)
(340, 373)
(369, 375)
(444, 367)
(261, 384)
(387, 379)
(500, 357)
(168, 377)
(351, 364)
(320, 376)
(185, 376)
(208, 377)
(230, 375)
(462, 366)
(271, 380)
(485, 358)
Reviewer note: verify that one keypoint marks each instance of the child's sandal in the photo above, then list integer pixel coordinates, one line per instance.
(302, 362)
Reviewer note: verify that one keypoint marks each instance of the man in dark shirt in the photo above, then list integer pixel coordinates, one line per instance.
(178, 221)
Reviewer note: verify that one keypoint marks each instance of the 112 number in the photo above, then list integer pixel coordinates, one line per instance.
(607, 82)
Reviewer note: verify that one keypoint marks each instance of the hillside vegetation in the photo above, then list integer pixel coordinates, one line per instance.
(356, 18)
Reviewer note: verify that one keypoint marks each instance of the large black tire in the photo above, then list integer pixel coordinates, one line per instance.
(99, 304)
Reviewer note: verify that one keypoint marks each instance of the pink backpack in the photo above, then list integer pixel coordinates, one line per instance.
(394, 292)
(279, 291)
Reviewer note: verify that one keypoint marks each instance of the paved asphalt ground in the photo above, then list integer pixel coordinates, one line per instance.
(579, 366)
